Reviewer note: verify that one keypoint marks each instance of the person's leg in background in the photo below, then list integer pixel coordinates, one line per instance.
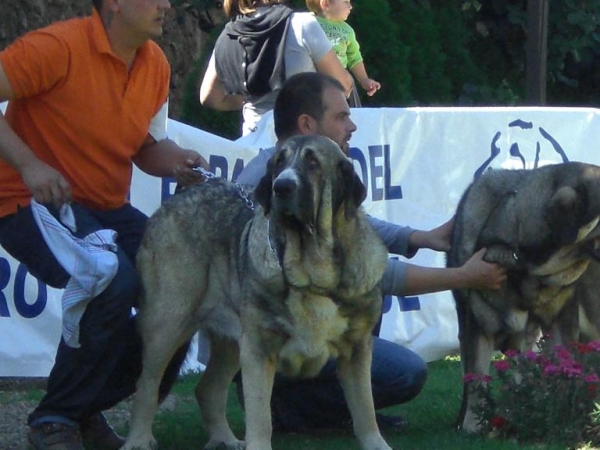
(397, 376)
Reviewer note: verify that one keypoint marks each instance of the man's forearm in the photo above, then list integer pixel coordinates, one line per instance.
(425, 280)
(159, 158)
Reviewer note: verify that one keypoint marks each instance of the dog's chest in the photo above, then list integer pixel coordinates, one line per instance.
(316, 332)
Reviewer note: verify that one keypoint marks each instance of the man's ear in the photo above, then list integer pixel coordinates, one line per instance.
(307, 125)
(324, 4)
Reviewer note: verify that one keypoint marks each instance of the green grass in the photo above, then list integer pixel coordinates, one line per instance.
(431, 417)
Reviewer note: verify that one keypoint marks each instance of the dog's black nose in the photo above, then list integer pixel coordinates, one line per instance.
(284, 187)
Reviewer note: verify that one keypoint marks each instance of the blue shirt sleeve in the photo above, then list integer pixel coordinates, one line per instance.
(256, 168)
(395, 237)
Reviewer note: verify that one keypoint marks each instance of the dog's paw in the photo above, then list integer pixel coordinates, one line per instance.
(373, 441)
(236, 445)
(149, 446)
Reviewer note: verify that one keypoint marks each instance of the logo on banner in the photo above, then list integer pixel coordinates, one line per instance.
(373, 168)
(524, 156)
(381, 173)
(24, 306)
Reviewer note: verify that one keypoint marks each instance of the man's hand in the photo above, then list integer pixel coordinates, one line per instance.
(184, 171)
(46, 184)
(437, 239)
(479, 274)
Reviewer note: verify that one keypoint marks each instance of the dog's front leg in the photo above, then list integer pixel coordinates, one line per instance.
(476, 353)
(258, 373)
(211, 394)
(355, 377)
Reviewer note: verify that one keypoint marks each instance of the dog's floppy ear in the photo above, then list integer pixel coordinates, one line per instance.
(263, 191)
(354, 190)
(564, 212)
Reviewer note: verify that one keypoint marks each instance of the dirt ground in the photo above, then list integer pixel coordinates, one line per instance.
(15, 406)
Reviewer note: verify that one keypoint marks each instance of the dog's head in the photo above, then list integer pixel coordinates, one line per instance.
(309, 176)
(559, 208)
(548, 219)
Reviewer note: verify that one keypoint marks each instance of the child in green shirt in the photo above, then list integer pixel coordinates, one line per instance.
(332, 15)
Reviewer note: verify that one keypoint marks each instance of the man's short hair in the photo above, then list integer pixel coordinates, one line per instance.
(301, 94)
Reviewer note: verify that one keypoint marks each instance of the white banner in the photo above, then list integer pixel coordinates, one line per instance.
(415, 162)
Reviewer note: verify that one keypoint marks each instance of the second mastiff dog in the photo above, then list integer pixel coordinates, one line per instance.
(541, 224)
(284, 286)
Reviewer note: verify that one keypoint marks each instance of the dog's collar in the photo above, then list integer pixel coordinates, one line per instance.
(208, 175)
(272, 247)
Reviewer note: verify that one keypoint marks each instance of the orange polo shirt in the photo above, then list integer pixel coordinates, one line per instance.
(80, 110)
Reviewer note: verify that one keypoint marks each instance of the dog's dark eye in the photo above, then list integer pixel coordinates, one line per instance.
(281, 157)
(312, 162)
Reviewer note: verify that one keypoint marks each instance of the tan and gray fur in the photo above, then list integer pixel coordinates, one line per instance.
(285, 287)
(542, 225)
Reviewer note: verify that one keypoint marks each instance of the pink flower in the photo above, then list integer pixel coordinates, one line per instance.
(501, 365)
(551, 369)
(531, 355)
(571, 370)
(591, 378)
(593, 346)
(471, 377)
(511, 353)
(562, 352)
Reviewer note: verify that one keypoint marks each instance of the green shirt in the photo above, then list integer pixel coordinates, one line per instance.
(343, 40)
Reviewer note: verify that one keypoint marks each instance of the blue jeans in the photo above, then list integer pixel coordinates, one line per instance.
(397, 376)
(104, 369)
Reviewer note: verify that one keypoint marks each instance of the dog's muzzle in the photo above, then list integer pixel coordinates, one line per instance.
(285, 188)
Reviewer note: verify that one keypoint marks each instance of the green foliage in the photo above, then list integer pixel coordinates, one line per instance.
(418, 31)
(385, 56)
(573, 47)
(574, 51)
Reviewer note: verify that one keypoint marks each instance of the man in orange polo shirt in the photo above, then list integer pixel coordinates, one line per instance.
(88, 97)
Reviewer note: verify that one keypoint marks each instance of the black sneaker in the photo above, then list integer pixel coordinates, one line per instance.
(54, 436)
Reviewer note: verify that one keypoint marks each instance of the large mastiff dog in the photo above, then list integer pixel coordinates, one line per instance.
(542, 225)
(284, 287)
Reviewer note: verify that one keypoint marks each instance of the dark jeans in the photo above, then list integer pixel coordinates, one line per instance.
(104, 369)
(397, 376)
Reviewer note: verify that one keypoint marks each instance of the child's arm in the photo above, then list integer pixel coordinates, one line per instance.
(360, 73)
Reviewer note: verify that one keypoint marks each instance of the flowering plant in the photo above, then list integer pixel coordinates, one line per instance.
(546, 396)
